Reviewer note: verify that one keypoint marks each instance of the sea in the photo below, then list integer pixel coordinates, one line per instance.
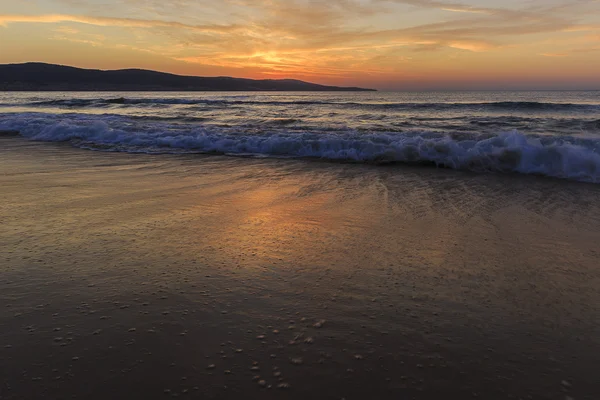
(546, 133)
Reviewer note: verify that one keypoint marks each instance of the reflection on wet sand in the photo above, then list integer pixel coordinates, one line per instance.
(227, 278)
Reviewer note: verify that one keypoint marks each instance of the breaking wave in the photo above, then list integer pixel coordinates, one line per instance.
(554, 156)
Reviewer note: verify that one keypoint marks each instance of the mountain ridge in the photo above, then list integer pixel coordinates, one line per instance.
(35, 76)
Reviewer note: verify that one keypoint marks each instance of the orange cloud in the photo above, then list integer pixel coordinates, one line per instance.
(105, 21)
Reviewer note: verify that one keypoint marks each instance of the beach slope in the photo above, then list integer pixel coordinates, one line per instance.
(158, 276)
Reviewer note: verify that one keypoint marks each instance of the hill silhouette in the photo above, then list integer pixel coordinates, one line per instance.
(51, 77)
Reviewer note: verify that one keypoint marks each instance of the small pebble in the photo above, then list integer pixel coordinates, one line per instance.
(283, 386)
(262, 383)
(296, 361)
(211, 366)
(319, 324)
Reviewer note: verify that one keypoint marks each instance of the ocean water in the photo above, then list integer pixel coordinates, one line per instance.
(554, 134)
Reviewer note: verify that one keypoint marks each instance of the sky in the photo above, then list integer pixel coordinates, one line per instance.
(382, 44)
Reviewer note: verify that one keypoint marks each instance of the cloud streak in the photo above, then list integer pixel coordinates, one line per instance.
(113, 22)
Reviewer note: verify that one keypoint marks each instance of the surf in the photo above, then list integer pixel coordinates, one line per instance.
(564, 157)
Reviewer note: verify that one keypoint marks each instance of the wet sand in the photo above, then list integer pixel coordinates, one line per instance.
(129, 276)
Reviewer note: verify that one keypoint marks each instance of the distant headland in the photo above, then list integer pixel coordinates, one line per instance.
(51, 77)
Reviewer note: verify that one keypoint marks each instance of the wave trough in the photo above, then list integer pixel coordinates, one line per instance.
(489, 106)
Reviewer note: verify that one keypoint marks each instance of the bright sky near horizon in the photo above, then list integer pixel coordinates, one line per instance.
(386, 44)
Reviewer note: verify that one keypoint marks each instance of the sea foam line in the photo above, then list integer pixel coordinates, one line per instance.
(561, 157)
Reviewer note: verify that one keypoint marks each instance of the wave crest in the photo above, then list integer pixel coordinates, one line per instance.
(561, 157)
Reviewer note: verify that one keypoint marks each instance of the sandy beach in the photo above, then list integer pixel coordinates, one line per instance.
(134, 276)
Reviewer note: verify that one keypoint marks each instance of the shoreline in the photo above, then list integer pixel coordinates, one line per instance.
(426, 163)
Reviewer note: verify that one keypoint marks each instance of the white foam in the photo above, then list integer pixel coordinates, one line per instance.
(561, 157)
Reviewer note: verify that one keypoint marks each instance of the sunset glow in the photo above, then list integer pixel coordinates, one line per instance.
(385, 44)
